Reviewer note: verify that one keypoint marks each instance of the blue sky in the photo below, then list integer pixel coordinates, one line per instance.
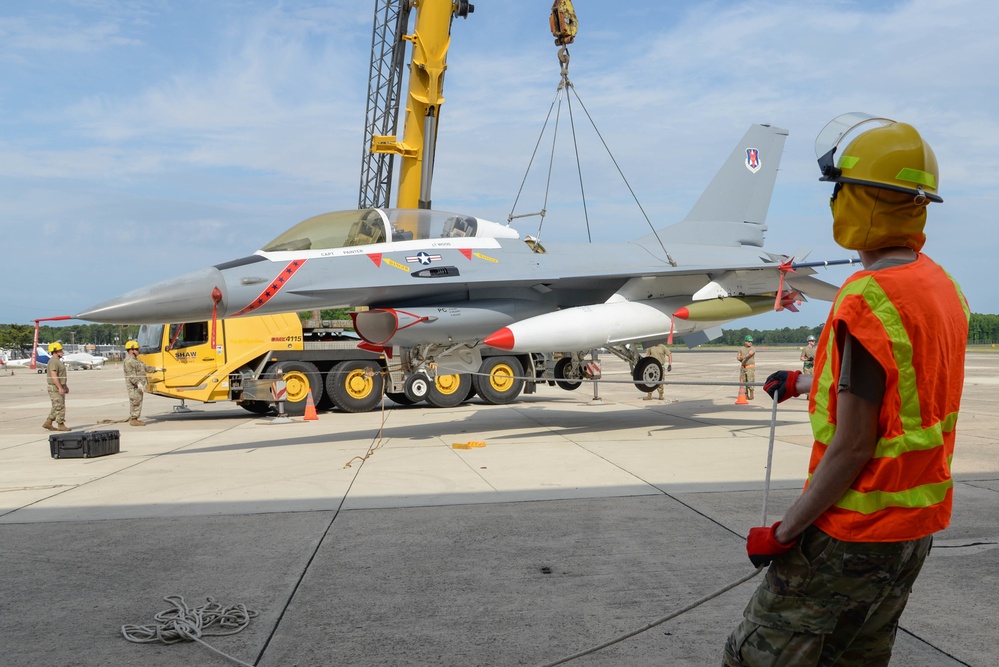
(144, 139)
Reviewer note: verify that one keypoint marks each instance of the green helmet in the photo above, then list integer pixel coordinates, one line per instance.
(748, 339)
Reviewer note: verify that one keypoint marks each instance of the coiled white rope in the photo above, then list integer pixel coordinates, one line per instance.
(182, 623)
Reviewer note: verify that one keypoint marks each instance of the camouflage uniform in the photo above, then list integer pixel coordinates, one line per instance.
(808, 360)
(828, 602)
(57, 414)
(660, 353)
(747, 374)
(135, 380)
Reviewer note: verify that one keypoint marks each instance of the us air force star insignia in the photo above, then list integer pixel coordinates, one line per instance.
(424, 258)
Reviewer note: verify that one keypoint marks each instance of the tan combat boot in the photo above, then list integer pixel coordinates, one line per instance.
(48, 425)
(61, 426)
(135, 422)
(648, 397)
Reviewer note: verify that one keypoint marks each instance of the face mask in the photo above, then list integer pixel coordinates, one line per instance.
(869, 218)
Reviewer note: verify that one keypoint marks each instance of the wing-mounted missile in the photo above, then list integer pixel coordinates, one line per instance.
(734, 307)
(590, 327)
(444, 323)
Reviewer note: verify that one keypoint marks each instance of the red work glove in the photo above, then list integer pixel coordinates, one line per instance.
(782, 383)
(763, 547)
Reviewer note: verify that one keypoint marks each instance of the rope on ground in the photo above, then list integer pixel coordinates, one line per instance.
(706, 598)
(678, 612)
(182, 623)
(376, 443)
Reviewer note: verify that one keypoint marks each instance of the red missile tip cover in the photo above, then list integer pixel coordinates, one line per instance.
(502, 339)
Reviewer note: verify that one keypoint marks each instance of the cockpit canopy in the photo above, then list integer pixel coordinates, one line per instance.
(368, 226)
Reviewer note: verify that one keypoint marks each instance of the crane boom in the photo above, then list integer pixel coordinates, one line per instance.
(430, 40)
(384, 88)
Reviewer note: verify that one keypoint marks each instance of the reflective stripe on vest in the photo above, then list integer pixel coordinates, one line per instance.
(929, 492)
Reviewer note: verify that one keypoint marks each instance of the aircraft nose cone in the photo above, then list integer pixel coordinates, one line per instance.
(183, 299)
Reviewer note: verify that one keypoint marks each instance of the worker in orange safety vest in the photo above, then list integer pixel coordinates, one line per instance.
(883, 405)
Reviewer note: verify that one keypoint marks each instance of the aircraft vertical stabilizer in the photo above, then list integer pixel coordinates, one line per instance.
(733, 208)
(741, 189)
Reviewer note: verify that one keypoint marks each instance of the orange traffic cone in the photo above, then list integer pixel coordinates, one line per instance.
(310, 408)
(741, 400)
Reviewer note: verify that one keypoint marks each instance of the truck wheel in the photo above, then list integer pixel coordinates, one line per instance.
(647, 370)
(500, 381)
(256, 407)
(447, 391)
(299, 377)
(356, 386)
(565, 376)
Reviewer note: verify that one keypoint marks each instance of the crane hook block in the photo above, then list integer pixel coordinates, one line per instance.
(563, 22)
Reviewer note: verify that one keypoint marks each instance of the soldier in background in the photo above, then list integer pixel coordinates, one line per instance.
(661, 354)
(747, 372)
(135, 380)
(808, 356)
(56, 375)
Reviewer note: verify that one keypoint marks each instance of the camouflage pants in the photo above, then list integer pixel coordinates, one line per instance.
(746, 375)
(828, 602)
(134, 401)
(58, 412)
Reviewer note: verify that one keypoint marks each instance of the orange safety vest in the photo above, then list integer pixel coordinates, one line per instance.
(914, 320)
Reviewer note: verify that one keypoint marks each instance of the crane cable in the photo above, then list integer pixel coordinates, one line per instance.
(564, 29)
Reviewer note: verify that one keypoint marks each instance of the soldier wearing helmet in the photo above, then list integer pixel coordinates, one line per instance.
(808, 356)
(135, 381)
(55, 372)
(883, 403)
(747, 370)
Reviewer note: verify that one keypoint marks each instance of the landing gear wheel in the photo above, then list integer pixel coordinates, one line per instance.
(356, 386)
(501, 380)
(448, 391)
(417, 387)
(566, 376)
(647, 370)
(299, 377)
(256, 407)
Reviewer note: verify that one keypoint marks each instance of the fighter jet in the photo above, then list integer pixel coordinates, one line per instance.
(447, 284)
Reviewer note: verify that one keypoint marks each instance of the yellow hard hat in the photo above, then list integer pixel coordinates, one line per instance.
(885, 154)
(132, 345)
(54, 347)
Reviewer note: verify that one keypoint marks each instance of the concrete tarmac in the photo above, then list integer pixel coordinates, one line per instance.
(369, 539)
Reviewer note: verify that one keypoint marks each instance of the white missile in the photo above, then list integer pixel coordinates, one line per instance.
(589, 327)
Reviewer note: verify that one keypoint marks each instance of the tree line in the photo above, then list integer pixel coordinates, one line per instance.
(983, 330)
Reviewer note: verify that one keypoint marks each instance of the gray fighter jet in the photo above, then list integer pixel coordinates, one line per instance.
(445, 284)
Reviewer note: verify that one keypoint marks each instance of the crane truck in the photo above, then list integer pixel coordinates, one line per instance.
(241, 360)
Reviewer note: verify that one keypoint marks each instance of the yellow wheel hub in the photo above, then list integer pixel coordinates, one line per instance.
(359, 384)
(448, 384)
(297, 385)
(501, 378)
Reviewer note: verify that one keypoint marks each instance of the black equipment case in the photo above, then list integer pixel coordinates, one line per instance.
(84, 445)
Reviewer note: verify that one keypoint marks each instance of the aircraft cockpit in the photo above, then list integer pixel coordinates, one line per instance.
(373, 226)
(458, 226)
